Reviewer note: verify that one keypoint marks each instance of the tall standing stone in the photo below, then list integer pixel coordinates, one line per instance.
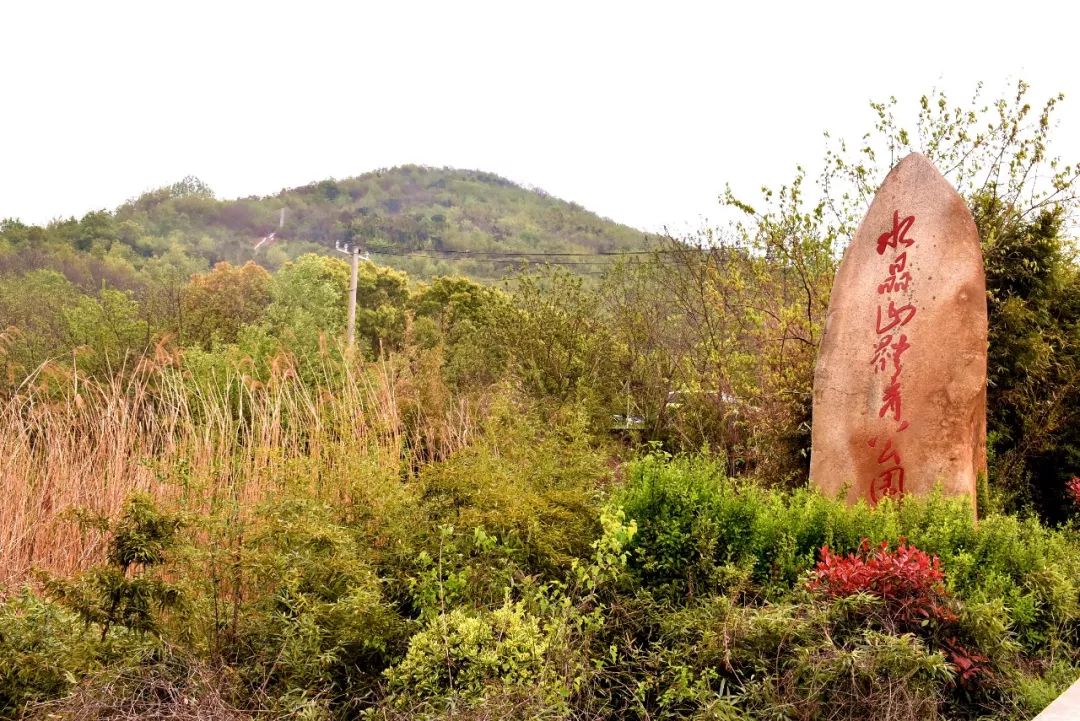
(900, 383)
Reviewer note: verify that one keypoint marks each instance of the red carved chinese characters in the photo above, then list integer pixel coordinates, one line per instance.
(898, 234)
(891, 316)
(899, 278)
(894, 317)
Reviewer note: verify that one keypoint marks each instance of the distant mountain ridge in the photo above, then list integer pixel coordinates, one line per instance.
(426, 221)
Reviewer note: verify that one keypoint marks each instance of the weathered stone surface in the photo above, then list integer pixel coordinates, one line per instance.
(900, 383)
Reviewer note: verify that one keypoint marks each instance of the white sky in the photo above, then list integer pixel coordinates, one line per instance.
(639, 112)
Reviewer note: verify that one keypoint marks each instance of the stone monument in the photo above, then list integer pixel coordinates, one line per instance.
(900, 382)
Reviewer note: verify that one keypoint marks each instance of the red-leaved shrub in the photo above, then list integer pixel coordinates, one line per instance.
(908, 580)
(1072, 488)
(911, 583)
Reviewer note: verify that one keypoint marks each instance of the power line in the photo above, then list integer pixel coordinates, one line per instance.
(497, 260)
(494, 257)
(522, 253)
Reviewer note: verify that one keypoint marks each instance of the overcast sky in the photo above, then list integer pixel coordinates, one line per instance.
(639, 112)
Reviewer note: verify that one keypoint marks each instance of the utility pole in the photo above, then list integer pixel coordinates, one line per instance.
(352, 249)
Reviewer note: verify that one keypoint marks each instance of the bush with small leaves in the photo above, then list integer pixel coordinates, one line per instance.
(459, 654)
(44, 649)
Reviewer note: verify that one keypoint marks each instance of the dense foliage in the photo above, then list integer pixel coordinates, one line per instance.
(685, 595)
(570, 495)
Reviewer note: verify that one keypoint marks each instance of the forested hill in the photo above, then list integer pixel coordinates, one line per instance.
(426, 221)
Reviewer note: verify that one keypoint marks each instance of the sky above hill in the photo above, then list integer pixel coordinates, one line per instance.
(640, 112)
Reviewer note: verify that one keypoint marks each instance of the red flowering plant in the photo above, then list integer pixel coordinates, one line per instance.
(910, 582)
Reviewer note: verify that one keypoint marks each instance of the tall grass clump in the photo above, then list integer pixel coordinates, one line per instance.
(204, 431)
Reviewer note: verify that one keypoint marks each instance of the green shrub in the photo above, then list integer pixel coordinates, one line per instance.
(468, 570)
(459, 654)
(696, 525)
(315, 623)
(808, 659)
(127, 591)
(1031, 692)
(44, 649)
(533, 483)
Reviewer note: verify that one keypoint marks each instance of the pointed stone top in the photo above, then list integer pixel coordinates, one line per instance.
(914, 157)
(916, 169)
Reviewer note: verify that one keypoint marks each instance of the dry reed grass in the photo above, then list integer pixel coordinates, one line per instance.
(68, 442)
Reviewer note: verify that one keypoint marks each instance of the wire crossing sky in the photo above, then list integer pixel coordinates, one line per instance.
(640, 112)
